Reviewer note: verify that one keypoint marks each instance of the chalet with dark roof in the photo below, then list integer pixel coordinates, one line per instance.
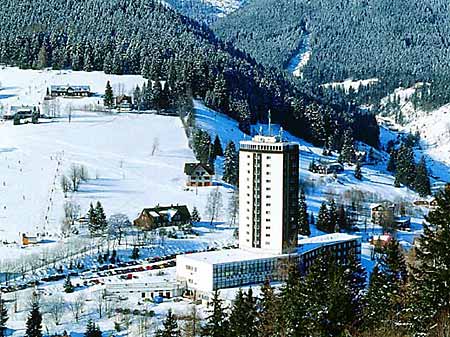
(198, 174)
(163, 216)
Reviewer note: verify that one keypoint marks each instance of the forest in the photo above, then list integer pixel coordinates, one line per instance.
(399, 42)
(145, 37)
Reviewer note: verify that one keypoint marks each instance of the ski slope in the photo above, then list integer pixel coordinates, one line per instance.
(117, 150)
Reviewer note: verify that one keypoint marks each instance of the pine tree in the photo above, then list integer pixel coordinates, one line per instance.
(195, 216)
(303, 219)
(392, 159)
(92, 330)
(3, 316)
(323, 219)
(358, 173)
(333, 215)
(422, 181)
(170, 327)
(108, 99)
(431, 272)
(93, 223)
(405, 166)
(216, 322)
(68, 286)
(343, 222)
(218, 151)
(34, 321)
(269, 312)
(386, 295)
(230, 165)
(347, 154)
(101, 221)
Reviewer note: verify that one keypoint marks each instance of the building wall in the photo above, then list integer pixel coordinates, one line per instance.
(195, 274)
(268, 196)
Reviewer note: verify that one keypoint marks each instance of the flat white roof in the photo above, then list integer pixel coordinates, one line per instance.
(324, 240)
(228, 256)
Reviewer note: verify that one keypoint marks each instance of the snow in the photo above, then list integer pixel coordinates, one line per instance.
(323, 240)
(116, 150)
(228, 256)
(301, 59)
(125, 177)
(350, 83)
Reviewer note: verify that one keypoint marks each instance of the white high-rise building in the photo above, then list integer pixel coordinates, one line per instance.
(268, 195)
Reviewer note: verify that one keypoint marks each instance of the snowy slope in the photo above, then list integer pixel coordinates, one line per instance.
(116, 149)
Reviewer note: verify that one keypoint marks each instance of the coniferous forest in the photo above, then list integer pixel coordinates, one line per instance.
(399, 42)
(145, 37)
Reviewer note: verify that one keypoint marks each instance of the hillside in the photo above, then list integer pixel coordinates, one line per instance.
(394, 41)
(206, 10)
(148, 38)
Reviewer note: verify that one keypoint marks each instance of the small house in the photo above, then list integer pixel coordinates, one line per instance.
(327, 168)
(70, 91)
(380, 240)
(21, 112)
(198, 174)
(28, 240)
(381, 212)
(163, 216)
(123, 103)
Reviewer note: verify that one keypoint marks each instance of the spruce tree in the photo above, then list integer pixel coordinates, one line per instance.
(102, 222)
(347, 154)
(269, 312)
(34, 321)
(358, 173)
(303, 219)
(92, 330)
(217, 321)
(170, 327)
(422, 183)
(333, 216)
(93, 223)
(68, 286)
(323, 219)
(343, 222)
(230, 165)
(108, 99)
(217, 148)
(195, 216)
(431, 272)
(392, 159)
(3, 316)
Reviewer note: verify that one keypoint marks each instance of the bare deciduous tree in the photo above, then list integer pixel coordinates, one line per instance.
(77, 306)
(55, 307)
(214, 204)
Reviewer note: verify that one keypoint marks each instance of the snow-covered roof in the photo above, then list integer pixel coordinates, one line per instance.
(227, 256)
(324, 240)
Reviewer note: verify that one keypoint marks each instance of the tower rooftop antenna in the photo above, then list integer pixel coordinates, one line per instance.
(270, 124)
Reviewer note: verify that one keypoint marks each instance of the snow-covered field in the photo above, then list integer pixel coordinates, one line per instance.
(28, 87)
(350, 83)
(116, 149)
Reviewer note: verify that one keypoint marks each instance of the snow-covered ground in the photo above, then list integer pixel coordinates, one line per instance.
(126, 177)
(116, 150)
(350, 83)
(299, 61)
(28, 87)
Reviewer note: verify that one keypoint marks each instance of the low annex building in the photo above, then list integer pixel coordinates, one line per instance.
(198, 174)
(203, 273)
(163, 216)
